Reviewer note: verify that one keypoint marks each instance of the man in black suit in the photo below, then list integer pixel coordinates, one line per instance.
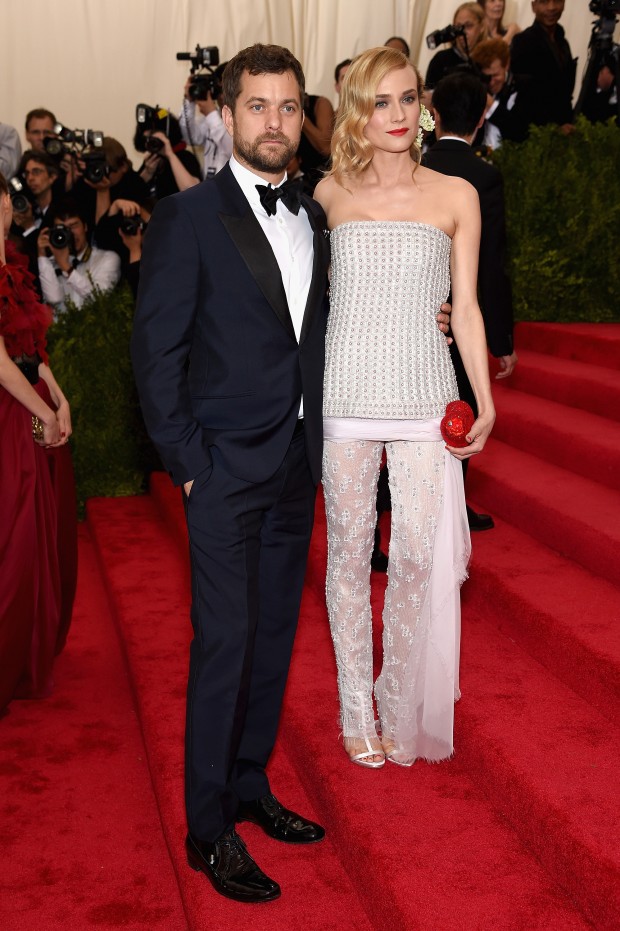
(228, 351)
(459, 102)
(542, 52)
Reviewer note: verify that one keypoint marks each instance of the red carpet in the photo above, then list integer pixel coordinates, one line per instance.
(518, 831)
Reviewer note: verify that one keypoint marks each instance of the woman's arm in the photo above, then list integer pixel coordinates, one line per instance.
(63, 413)
(466, 319)
(17, 385)
(319, 133)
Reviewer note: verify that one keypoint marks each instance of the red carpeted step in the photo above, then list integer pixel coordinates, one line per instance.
(578, 441)
(577, 384)
(575, 516)
(422, 843)
(594, 343)
(546, 759)
(146, 571)
(81, 838)
(563, 616)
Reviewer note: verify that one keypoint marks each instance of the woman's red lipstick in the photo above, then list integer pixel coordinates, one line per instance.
(397, 132)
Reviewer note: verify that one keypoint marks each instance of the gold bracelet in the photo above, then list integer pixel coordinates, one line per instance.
(37, 428)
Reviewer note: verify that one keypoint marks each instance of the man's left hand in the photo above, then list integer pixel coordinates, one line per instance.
(507, 364)
(443, 320)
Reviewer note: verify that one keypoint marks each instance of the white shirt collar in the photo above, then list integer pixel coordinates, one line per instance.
(247, 181)
(455, 139)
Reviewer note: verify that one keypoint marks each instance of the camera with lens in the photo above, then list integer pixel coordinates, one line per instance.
(205, 60)
(441, 36)
(19, 196)
(202, 85)
(55, 147)
(96, 166)
(150, 120)
(131, 225)
(61, 237)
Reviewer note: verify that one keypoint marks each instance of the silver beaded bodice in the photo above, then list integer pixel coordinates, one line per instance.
(385, 356)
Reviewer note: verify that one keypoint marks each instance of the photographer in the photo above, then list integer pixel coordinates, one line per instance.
(40, 126)
(168, 167)
(469, 18)
(201, 124)
(121, 230)
(69, 268)
(119, 181)
(511, 100)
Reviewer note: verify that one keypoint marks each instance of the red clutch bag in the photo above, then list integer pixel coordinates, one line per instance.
(456, 423)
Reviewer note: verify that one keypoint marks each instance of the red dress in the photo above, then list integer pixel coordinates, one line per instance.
(38, 527)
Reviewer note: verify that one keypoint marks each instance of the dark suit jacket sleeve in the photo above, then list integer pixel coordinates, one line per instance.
(162, 338)
(493, 281)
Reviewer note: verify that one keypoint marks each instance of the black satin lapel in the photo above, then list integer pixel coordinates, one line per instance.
(249, 238)
(320, 265)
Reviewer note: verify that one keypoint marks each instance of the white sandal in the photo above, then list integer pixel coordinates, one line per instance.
(365, 757)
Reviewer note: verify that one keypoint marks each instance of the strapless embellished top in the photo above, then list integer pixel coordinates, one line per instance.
(385, 355)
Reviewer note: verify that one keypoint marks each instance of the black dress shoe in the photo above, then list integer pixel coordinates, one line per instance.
(479, 521)
(230, 868)
(278, 822)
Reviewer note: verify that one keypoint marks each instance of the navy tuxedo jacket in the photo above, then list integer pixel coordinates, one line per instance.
(215, 356)
(453, 157)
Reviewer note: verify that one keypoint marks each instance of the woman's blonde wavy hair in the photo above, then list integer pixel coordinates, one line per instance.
(351, 152)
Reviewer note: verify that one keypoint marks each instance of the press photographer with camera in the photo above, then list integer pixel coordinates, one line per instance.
(121, 230)
(69, 267)
(466, 31)
(41, 135)
(115, 178)
(168, 167)
(201, 124)
(511, 99)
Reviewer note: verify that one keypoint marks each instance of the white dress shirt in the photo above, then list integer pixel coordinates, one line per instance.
(291, 239)
(102, 269)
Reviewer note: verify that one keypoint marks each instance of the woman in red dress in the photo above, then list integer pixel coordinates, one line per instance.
(35, 477)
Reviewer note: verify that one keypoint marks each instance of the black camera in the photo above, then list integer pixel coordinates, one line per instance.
(55, 147)
(153, 145)
(202, 85)
(441, 36)
(61, 237)
(19, 196)
(96, 166)
(79, 137)
(207, 82)
(131, 225)
(207, 56)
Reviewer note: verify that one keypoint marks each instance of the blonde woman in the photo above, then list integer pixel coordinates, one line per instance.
(401, 236)
(494, 21)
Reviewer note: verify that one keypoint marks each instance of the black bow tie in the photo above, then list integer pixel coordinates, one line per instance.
(290, 193)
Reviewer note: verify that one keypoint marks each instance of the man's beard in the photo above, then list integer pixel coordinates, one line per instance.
(269, 159)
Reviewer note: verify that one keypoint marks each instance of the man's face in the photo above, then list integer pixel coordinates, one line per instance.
(39, 128)
(78, 228)
(266, 124)
(38, 178)
(548, 12)
(496, 73)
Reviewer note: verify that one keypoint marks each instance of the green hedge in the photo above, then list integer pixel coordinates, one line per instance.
(89, 355)
(563, 218)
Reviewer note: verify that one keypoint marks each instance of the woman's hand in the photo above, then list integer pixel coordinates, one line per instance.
(477, 437)
(51, 432)
(63, 416)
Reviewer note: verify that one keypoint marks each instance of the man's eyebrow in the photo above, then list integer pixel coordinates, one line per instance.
(266, 100)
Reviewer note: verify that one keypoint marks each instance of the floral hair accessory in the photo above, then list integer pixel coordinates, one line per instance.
(426, 123)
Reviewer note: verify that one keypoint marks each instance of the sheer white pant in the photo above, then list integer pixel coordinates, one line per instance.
(429, 551)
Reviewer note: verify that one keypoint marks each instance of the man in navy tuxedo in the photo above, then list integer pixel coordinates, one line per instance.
(228, 352)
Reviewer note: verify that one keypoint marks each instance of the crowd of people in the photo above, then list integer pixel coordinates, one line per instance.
(254, 389)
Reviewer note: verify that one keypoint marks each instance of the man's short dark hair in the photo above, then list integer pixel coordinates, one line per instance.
(343, 64)
(41, 158)
(259, 59)
(39, 114)
(66, 209)
(460, 99)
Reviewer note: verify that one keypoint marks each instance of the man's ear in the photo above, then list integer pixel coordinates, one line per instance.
(228, 119)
